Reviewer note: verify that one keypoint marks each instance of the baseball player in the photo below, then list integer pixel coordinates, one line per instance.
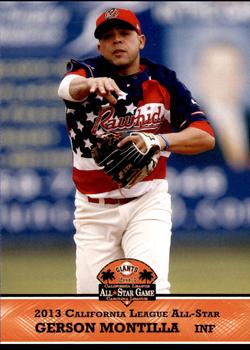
(120, 91)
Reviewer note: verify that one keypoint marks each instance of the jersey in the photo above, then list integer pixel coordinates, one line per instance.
(155, 101)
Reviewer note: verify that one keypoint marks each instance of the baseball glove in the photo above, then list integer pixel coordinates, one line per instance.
(127, 165)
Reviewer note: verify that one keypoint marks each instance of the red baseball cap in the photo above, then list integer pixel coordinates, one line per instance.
(116, 15)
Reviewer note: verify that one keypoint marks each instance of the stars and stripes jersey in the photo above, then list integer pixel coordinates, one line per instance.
(155, 101)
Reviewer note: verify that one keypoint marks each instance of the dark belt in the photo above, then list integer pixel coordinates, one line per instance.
(110, 200)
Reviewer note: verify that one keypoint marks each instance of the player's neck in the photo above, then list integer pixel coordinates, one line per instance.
(129, 70)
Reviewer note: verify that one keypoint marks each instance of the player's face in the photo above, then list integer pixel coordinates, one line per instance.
(121, 47)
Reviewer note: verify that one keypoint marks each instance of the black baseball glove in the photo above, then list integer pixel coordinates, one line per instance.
(127, 165)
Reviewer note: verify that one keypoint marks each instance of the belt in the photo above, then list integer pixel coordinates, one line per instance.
(110, 200)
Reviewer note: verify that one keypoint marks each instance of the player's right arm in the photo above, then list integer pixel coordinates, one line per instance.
(76, 87)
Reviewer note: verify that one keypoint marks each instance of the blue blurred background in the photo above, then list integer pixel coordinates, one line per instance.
(207, 44)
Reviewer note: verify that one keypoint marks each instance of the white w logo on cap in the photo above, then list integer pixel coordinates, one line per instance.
(112, 13)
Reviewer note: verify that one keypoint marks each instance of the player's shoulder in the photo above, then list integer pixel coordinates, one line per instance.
(153, 65)
(90, 64)
(160, 72)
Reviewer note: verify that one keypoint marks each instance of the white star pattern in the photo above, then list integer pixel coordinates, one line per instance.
(98, 97)
(88, 143)
(99, 132)
(91, 116)
(105, 106)
(72, 133)
(123, 96)
(79, 126)
(85, 103)
(78, 152)
(131, 108)
(69, 110)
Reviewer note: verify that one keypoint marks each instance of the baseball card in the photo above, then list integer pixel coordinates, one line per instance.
(125, 173)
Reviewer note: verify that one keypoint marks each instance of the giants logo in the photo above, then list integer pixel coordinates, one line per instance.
(147, 117)
(127, 280)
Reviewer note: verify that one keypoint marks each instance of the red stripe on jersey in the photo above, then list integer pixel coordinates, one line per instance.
(96, 181)
(153, 91)
(203, 125)
(80, 72)
(160, 171)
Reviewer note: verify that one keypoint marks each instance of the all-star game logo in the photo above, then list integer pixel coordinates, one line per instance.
(127, 280)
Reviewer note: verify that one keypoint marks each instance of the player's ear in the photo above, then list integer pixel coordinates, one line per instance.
(142, 41)
(98, 47)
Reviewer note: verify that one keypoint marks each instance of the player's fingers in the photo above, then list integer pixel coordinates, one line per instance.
(105, 87)
(97, 85)
(92, 85)
(111, 85)
(124, 141)
(111, 89)
(102, 88)
(137, 140)
(111, 99)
